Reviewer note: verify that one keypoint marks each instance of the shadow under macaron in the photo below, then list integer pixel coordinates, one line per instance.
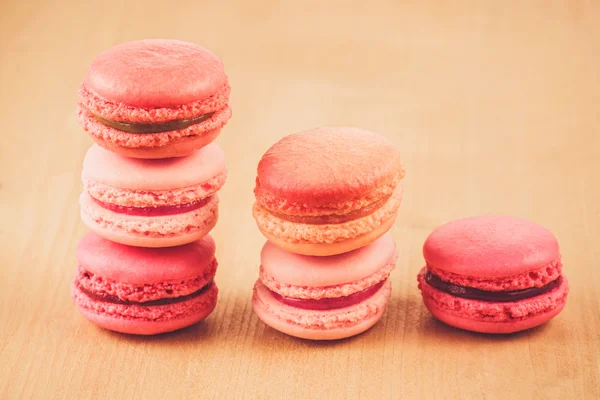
(199, 332)
(444, 332)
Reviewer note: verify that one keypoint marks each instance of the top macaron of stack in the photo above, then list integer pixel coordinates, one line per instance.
(154, 98)
(328, 191)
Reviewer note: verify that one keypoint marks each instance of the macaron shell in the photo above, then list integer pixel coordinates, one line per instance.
(489, 327)
(493, 317)
(112, 111)
(155, 73)
(141, 325)
(320, 325)
(138, 265)
(490, 247)
(154, 198)
(165, 231)
(332, 291)
(299, 270)
(135, 327)
(330, 249)
(312, 334)
(176, 148)
(117, 171)
(277, 205)
(338, 164)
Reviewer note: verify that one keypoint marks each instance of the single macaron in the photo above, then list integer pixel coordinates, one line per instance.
(324, 298)
(152, 203)
(328, 191)
(144, 291)
(154, 98)
(493, 274)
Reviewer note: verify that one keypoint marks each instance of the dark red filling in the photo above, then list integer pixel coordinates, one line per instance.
(107, 298)
(484, 295)
(154, 211)
(330, 303)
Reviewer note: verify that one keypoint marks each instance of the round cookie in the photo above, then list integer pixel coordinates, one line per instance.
(328, 191)
(493, 274)
(154, 98)
(152, 203)
(144, 291)
(324, 298)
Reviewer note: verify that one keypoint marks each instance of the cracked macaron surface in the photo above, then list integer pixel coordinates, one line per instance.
(152, 203)
(154, 98)
(144, 290)
(328, 191)
(324, 298)
(493, 274)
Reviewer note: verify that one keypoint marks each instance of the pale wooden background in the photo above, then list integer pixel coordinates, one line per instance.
(495, 107)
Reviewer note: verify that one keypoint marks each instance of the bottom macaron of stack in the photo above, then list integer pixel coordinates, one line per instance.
(493, 274)
(144, 291)
(324, 298)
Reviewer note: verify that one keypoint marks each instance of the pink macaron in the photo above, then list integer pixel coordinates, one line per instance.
(154, 98)
(324, 298)
(328, 191)
(493, 274)
(144, 291)
(152, 202)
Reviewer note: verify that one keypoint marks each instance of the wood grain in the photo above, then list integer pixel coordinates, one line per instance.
(495, 106)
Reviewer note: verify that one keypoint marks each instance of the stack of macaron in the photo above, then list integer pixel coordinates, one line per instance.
(153, 107)
(325, 200)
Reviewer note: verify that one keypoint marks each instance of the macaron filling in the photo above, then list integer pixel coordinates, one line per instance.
(154, 211)
(490, 296)
(153, 128)
(333, 218)
(107, 298)
(294, 232)
(329, 303)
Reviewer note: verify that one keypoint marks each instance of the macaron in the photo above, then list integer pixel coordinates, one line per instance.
(144, 291)
(328, 191)
(493, 274)
(154, 98)
(152, 202)
(324, 298)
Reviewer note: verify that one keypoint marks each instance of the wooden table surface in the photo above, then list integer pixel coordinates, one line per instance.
(495, 107)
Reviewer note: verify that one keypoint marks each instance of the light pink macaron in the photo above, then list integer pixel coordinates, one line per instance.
(493, 274)
(144, 291)
(324, 298)
(152, 202)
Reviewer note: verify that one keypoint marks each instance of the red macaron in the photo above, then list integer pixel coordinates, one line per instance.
(144, 290)
(328, 191)
(493, 274)
(154, 98)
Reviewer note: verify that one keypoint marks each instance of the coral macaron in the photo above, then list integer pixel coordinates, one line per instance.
(152, 203)
(493, 274)
(328, 191)
(154, 98)
(144, 291)
(324, 298)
